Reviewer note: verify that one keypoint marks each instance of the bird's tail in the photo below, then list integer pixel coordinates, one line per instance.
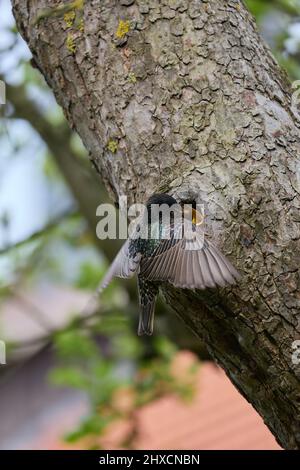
(147, 292)
(146, 320)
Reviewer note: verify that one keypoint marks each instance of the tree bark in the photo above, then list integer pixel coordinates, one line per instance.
(89, 193)
(184, 97)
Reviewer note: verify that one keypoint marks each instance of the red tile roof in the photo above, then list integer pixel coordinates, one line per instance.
(217, 418)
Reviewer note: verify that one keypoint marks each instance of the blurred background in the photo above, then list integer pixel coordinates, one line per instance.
(76, 374)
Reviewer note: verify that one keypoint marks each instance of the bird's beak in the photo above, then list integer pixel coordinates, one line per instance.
(192, 214)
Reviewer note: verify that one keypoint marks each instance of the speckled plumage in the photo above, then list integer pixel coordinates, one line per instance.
(185, 263)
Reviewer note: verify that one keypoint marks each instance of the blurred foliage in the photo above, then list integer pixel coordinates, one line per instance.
(119, 371)
(262, 7)
(277, 16)
(109, 364)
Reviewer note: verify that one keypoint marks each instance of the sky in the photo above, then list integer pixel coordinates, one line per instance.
(27, 197)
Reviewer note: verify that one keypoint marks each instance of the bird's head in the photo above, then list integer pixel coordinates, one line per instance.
(191, 213)
(189, 210)
(160, 198)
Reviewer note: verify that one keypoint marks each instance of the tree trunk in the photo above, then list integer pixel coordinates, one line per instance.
(184, 97)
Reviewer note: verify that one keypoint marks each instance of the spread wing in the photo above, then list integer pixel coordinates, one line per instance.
(124, 265)
(189, 263)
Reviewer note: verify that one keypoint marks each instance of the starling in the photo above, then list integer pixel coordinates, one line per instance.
(179, 253)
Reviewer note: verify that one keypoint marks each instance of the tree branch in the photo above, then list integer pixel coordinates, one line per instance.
(77, 175)
(52, 225)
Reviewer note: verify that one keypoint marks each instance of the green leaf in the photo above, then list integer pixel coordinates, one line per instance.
(89, 276)
(68, 376)
(75, 344)
(164, 347)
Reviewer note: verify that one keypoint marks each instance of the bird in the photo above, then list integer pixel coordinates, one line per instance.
(179, 252)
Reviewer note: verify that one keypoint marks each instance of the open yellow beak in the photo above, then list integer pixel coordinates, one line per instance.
(193, 215)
